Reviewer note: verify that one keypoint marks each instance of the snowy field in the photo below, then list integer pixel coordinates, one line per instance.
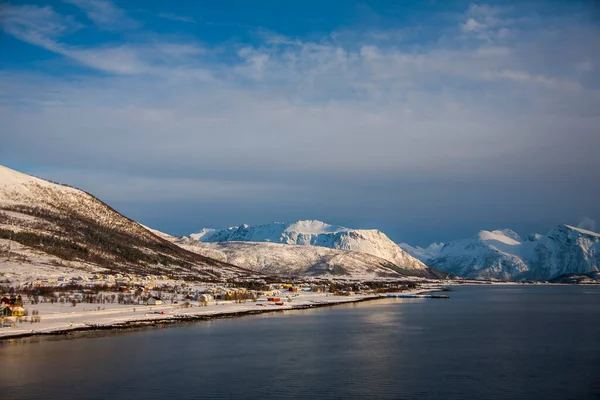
(57, 317)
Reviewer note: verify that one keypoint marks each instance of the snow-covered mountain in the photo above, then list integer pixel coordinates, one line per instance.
(46, 226)
(318, 234)
(422, 253)
(503, 254)
(565, 250)
(289, 260)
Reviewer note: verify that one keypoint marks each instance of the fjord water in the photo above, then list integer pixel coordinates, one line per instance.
(485, 342)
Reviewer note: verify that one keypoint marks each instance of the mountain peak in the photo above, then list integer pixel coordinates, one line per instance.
(502, 254)
(581, 231)
(317, 233)
(500, 236)
(314, 227)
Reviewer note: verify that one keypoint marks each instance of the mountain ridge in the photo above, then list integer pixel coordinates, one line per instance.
(316, 234)
(503, 254)
(73, 228)
(289, 260)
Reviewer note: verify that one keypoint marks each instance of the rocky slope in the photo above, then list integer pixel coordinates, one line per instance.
(503, 254)
(59, 226)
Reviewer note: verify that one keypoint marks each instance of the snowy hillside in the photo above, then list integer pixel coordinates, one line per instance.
(421, 253)
(317, 234)
(296, 260)
(503, 254)
(63, 227)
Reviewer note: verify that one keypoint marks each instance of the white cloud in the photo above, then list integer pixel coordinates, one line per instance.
(489, 23)
(175, 17)
(537, 79)
(472, 25)
(104, 14)
(289, 109)
(43, 27)
(37, 25)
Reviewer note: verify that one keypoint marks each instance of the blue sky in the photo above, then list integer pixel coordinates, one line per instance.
(428, 120)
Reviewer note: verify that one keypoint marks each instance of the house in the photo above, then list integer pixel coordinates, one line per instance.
(13, 311)
(205, 297)
(154, 301)
(17, 311)
(5, 300)
(318, 288)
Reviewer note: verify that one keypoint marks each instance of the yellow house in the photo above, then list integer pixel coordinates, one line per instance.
(14, 311)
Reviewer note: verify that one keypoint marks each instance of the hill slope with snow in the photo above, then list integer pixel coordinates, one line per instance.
(318, 234)
(296, 260)
(55, 225)
(503, 254)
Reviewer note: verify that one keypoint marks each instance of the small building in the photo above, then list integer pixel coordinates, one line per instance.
(13, 311)
(155, 301)
(205, 297)
(274, 299)
(5, 300)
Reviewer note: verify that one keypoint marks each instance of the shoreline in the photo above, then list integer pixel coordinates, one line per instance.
(190, 318)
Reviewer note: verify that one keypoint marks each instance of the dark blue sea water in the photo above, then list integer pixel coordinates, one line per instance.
(500, 342)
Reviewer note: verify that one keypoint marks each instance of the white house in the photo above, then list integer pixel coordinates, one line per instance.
(205, 297)
(154, 301)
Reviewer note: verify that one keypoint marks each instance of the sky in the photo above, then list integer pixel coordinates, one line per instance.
(428, 120)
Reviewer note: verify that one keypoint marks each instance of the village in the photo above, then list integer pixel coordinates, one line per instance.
(100, 300)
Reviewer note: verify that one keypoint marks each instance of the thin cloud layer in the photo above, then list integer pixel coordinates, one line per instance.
(496, 96)
(104, 14)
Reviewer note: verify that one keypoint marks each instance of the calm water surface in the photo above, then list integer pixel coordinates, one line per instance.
(501, 342)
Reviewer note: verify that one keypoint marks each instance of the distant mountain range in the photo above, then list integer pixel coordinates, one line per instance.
(47, 227)
(307, 248)
(564, 252)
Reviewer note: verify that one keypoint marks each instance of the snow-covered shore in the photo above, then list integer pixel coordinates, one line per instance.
(57, 320)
